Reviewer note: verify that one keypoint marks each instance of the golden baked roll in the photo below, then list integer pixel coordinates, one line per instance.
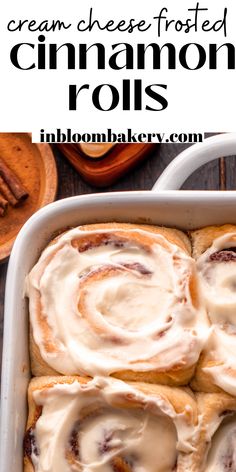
(106, 425)
(215, 252)
(116, 299)
(215, 443)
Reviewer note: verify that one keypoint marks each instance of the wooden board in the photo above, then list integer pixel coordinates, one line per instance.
(34, 164)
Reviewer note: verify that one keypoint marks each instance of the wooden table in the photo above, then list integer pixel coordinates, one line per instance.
(218, 175)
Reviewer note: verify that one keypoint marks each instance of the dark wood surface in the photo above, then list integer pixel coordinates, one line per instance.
(218, 175)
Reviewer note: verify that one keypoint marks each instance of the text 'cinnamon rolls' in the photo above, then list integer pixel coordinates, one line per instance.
(117, 299)
(106, 425)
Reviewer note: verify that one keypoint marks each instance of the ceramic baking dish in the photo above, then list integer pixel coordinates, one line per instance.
(185, 210)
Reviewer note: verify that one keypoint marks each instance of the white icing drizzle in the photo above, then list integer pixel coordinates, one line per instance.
(140, 317)
(218, 285)
(147, 437)
(222, 453)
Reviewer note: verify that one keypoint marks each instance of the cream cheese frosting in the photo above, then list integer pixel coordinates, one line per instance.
(114, 306)
(148, 436)
(218, 286)
(222, 453)
(219, 282)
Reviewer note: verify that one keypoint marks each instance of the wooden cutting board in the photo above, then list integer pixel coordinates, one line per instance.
(34, 164)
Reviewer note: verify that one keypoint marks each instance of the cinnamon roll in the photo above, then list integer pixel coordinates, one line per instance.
(215, 442)
(215, 251)
(116, 299)
(106, 425)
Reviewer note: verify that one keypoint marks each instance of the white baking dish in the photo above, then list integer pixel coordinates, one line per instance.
(173, 208)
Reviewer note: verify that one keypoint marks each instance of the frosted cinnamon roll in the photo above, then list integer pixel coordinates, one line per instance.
(215, 251)
(215, 443)
(105, 425)
(116, 299)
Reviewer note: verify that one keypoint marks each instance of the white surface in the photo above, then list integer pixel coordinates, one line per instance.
(199, 100)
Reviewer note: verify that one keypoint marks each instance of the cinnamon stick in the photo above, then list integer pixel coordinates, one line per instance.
(13, 182)
(3, 205)
(7, 194)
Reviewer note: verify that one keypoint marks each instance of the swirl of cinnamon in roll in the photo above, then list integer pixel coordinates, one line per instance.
(215, 441)
(216, 267)
(105, 425)
(116, 299)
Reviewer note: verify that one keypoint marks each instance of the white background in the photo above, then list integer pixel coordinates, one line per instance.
(200, 100)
